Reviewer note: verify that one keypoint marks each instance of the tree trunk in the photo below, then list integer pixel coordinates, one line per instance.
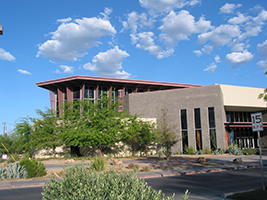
(54, 151)
(146, 150)
(100, 153)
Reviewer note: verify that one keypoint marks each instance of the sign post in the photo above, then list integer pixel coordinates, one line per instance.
(257, 125)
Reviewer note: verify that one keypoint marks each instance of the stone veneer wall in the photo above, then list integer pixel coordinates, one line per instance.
(149, 105)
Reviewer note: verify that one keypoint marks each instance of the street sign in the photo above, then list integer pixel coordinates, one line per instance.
(256, 119)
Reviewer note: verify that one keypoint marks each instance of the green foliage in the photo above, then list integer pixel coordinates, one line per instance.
(250, 151)
(186, 195)
(166, 136)
(81, 183)
(219, 151)
(46, 130)
(99, 163)
(207, 150)
(251, 195)
(33, 168)
(13, 171)
(96, 124)
(234, 150)
(189, 150)
(23, 131)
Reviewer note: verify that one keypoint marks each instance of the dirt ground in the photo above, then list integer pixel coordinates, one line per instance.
(139, 164)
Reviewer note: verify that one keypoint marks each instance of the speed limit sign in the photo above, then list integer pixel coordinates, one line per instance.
(256, 120)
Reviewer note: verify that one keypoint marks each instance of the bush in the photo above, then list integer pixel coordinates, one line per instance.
(250, 151)
(80, 182)
(99, 163)
(234, 150)
(13, 171)
(33, 168)
(219, 151)
(190, 150)
(207, 151)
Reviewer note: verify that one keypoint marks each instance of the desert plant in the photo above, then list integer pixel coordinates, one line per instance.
(145, 168)
(207, 151)
(219, 151)
(234, 150)
(13, 171)
(186, 195)
(99, 163)
(80, 182)
(33, 168)
(250, 151)
(190, 150)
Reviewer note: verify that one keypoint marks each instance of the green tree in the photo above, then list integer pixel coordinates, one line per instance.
(98, 124)
(46, 130)
(23, 131)
(264, 94)
(166, 135)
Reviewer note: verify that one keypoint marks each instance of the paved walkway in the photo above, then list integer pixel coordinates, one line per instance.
(252, 161)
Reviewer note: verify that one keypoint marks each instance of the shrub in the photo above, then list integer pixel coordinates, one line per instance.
(234, 150)
(33, 168)
(80, 182)
(219, 151)
(190, 150)
(145, 168)
(207, 151)
(99, 163)
(250, 151)
(13, 171)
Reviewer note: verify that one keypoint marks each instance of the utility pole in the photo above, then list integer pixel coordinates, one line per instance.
(4, 127)
(1, 29)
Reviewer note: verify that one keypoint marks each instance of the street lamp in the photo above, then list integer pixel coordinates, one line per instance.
(1, 29)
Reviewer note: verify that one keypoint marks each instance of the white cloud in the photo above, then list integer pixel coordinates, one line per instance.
(179, 26)
(109, 63)
(158, 6)
(64, 20)
(262, 65)
(221, 35)
(106, 13)
(66, 69)
(217, 59)
(262, 49)
(205, 49)
(239, 19)
(24, 72)
(261, 17)
(4, 55)
(198, 52)
(71, 40)
(134, 21)
(211, 68)
(239, 58)
(229, 8)
(147, 43)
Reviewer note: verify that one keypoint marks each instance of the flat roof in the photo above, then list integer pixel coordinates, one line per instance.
(76, 80)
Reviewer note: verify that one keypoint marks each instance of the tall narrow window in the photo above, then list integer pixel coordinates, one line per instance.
(198, 129)
(102, 91)
(184, 129)
(212, 128)
(76, 93)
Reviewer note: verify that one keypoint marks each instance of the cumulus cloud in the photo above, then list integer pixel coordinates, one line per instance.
(109, 63)
(239, 58)
(240, 19)
(198, 52)
(229, 8)
(66, 69)
(71, 40)
(135, 21)
(217, 59)
(262, 65)
(106, 13)
(205, 49)
(158, 6)
(221, 35)
(4, 55)
(211, 68)
(262, 49)
(179, 26)
(64, 20)
(261, 17)
(24, 72)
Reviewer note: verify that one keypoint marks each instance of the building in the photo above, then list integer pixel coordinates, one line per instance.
(203, 116)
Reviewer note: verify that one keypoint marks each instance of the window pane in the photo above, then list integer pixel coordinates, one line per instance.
(211, 117)
(76, 92)
(197, 118)
(183, 119)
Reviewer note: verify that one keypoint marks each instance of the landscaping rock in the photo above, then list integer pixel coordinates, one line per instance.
(69, 161)
(201, 160)
(238, 161)
(117, 162)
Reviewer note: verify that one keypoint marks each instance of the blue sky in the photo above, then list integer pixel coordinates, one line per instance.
(183, 41)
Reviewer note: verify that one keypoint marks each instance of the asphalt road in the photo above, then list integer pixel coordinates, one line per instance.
(201, 186)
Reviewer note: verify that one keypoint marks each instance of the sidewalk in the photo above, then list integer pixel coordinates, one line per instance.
(249, 162)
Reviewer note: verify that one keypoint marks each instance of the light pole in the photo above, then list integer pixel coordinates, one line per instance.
(1, 29)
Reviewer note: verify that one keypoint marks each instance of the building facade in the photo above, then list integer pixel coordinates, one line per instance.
(203, 116)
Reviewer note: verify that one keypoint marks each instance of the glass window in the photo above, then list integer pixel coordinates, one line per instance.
(211, 117)
(76, 93)
(212, 129)
(184, 129)
(102, 91)
(197, 118)
(89, 92)
(198, 133)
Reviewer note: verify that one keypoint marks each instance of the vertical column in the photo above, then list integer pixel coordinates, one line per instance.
(52, 96)
(96, 92)
(69, 94)
(82, 93)
(60, 96)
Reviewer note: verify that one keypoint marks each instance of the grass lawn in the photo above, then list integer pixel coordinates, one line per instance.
(258, 194)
